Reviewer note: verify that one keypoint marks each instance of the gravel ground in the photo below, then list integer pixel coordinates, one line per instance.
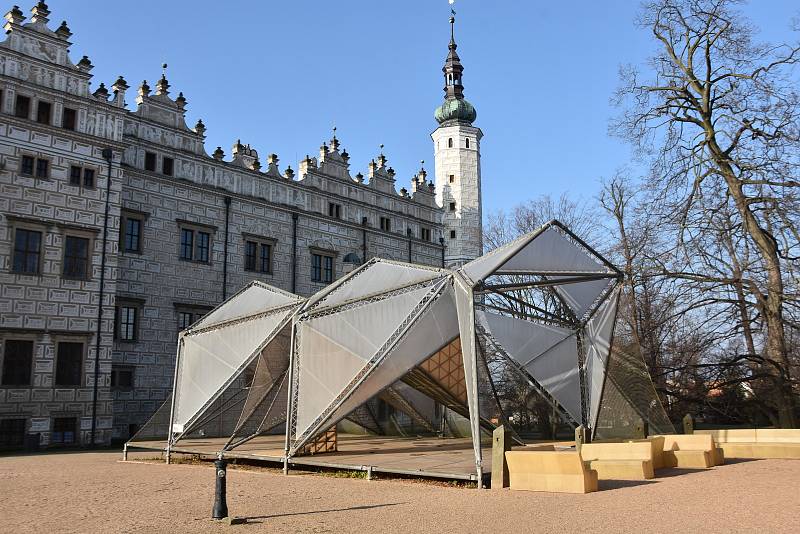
(95, 492)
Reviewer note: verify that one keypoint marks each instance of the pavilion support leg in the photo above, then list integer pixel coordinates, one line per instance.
(125, 453)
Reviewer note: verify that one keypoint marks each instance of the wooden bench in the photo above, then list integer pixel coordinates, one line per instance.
(632, 460)
(691, 451)
(757, 443)
(556, 471)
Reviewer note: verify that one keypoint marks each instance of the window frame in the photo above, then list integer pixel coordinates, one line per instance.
(385, 223)
(334, 210)
(73, 123)
(323, 255)
(27, 227)
(42, 169)
(424, 233)
(123, 303)
(155, 161)
(196, 312)
(126, 215)
(81, 175)
(164, 161)
(4, 382)
(196, 246)
(81, 365)
(76, 431)
(27, 114)
(116, 370)
(72, 234)
(49, 106)
(260, 243)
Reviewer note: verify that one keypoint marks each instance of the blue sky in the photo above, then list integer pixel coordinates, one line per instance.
(279, 75)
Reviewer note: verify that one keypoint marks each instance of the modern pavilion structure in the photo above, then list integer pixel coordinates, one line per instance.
(542, 307)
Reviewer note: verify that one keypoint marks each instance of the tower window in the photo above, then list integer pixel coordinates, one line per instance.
(450, 143)
(452, 234)
(452, 206)
(467, 142)
(452, 178)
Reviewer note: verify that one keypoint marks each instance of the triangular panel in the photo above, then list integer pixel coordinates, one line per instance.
(580, 296)
(427, 335)
(334, 349)
(253, 299)
(551, 251)
(379, 277)
(598, 333)
(210, 359)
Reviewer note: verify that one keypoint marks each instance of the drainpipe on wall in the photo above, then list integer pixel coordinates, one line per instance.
(408, 234)
(295, 216)
(441, 242)
(225, 250)
(108, 155)
(364, 238)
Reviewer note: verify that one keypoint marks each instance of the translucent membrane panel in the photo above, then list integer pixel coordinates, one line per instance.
(545, 251)
(548, 353)
(209, 360)
(379, 277)
(581, 296)
(335, 348)
(253, 299)
(598, 333)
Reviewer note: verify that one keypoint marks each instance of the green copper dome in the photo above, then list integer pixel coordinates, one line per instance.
(455, 110)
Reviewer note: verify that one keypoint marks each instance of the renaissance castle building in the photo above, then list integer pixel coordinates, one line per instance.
(118, 229)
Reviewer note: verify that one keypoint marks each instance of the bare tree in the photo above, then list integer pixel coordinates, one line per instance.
(718, 115)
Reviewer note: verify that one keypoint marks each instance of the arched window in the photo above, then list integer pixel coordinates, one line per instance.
(450, 143)
(467, 142)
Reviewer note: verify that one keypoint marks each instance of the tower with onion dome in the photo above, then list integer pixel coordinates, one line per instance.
(457, 149)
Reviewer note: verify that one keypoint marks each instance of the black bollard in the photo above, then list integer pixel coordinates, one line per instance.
(220, 503)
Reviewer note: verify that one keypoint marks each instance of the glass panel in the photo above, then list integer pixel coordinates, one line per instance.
(26, 251)
(133, 229)
(88, 177)
(27, 166)
(250, 255)
(127, 323)
(42, 166)
(76, 257)
(68, 364)
(187, 240)
(328, 270)
(265, 257)
(203, 239)
(17, 362)
(316, 268)
(75, 175)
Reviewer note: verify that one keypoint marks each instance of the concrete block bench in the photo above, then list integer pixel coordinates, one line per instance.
(781, 443)
(691, 451)
(556, 471)
(620, 461)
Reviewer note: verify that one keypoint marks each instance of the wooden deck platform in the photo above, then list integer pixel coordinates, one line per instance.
(448, 458)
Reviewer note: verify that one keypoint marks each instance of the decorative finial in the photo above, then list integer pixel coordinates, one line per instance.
(381, 146)
(164, 70)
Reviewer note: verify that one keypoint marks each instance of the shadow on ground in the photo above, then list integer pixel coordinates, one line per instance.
(255, 519)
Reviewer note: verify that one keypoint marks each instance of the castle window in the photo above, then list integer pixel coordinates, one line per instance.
(131, 230)
(149, 161)
(64, 431)
(43, 110)
(452, 206)
(75, 174)
(12, 433)
(386, 224)
(69, 364)
(27, 251)
(26, 166)
(122, 376)
(258, 256)
(167, 166)
(127, 322)
(452, 234)
(322, 267)
(17, 362)
(188, 314)
(22, 107)
(76, 258)
(450, 142)
(334, 210)
(452, 178)
(42, 168)
(467, 142)
(425, 234)
(68, 120)
(195, 244)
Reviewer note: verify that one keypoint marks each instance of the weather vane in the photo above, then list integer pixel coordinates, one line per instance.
(452, 10)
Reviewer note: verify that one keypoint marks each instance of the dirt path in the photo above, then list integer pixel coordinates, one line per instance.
(94, 492)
